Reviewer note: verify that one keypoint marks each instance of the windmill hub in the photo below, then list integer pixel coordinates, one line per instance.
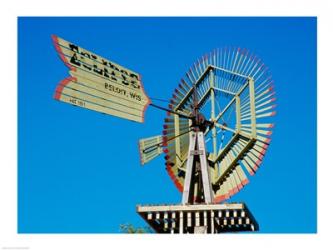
(200, 123)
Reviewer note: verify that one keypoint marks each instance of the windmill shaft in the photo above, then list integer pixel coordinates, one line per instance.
(152, 147)
(171, 111)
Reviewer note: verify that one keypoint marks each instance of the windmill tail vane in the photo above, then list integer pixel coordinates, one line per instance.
(99, 84)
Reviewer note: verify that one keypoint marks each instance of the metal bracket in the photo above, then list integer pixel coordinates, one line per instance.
(196, 152)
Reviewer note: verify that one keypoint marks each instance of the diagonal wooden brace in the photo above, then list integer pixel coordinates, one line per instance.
(197, 148)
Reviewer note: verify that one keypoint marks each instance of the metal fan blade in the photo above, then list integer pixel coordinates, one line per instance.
(260, 125)
(242, 176)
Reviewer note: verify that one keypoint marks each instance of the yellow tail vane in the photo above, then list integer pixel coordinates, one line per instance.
(99, 84)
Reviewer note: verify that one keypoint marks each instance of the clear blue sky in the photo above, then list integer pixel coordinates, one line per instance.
(79, 170)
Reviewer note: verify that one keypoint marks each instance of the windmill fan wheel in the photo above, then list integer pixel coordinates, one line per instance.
(235, 93)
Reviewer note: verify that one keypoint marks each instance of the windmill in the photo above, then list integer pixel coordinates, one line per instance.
(216, 130)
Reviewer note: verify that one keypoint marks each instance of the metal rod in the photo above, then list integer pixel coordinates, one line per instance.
(225, 91)
(171, 111)
(159, 99)
(161, 143)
